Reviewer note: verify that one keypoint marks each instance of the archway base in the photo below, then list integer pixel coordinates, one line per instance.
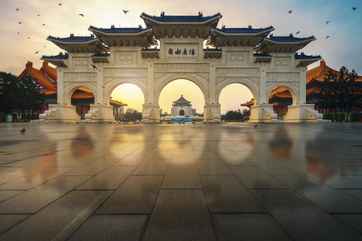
(262, 113)
(212, 113)
(151, 114)
(302, 113)
(100, 113)
(63, 113)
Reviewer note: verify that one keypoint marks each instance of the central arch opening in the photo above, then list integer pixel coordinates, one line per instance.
(127, 101)
(235, 102)
(181, 101)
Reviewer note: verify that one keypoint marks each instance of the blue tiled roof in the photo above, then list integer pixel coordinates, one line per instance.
(73, 39)
(60, 56)
(289, 39)
(303, 56)
(245, 30)
(182, 18)
(118, 30)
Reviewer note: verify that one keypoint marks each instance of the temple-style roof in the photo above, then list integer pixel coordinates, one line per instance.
(305, 60)
(283, 44)
(239, 36)
(181, 102)
(78, 44)
(180, 19)
(181, 25)
(113, 36)
(57, 60)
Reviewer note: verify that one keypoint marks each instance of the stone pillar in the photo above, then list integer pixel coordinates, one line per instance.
(151, 110)
(99, 95)
(212, 108)
(60, 86)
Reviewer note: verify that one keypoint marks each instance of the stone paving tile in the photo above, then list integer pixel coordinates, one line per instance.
(111, 227)
(355, 193)
(5, 195)
(352, 220)
(354, 182)
(182, 177)
(156, 168)
(58, 220)
(302, 220)
(214, 167)
(254, 177)
(8, 221)
(137, 196)
(333, 201)
(248, 227)
(110, 179)
(33, 200)
(224, 194)
(180, 215)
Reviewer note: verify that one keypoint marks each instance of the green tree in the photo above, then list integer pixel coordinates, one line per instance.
(20, 95)
(338, 94)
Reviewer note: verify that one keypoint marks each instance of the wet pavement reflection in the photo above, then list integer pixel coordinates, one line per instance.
(181, 182)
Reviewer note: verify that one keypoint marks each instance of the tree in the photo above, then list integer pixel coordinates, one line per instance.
(20, 95)
(236, 115)
(338, 94)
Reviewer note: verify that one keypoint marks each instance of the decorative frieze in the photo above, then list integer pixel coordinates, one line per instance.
(237, 71)
(181, 67)
(79, 76)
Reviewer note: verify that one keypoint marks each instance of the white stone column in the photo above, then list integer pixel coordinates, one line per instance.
(60, 86)
(151, 110)
(212, 107)
(99, 95)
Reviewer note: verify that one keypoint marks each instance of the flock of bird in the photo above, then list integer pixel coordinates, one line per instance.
(125, 12)
(354, 9)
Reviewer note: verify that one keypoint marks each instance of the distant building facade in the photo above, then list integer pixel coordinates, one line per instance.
(182, 107)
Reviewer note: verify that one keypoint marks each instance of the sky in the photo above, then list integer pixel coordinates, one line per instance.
(19, 42)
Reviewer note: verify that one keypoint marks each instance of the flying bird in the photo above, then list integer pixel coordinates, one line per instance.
(81, 14)
(354, 8)
(43, 24)
(38, 15)
(94, 67)
(22, 131)
(17, 9)
(19, 22)
(290, 11)
(60, 4)
(125, 11)
(36, 52)
(298, 32)
(328, 36)
(328, 22)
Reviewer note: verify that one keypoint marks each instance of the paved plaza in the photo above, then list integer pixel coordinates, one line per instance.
(87, 182)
